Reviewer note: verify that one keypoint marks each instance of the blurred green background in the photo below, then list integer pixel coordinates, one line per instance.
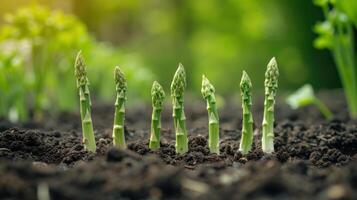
(149, 38)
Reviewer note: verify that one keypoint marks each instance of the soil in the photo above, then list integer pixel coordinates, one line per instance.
(314, 158)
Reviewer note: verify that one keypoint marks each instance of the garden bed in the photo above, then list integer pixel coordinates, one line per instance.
(314, 158)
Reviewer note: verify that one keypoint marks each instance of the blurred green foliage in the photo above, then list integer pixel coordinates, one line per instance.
(47, 41)
(13, 86)
(148, 39)
(36, 63)
(350, 8)
(219, 38)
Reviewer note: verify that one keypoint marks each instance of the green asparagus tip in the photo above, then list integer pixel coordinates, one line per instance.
(79, 64)
(272, 68)
(271, 77)
(158, 94)
(178, 84)
(80, 70)
(207, 88)
(120, 80)
(245, 82)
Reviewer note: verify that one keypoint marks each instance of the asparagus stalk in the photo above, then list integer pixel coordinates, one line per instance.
(158, 96)
(271, 87)
(119, 116)
(178, 86)
(247, 125)
(208, 92)
(85, 104)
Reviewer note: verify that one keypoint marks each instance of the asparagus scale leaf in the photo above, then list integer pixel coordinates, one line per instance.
(119, 116)
(178, 87)
(85, 103)
(208, 93)
(247, 125)
(271, 87)
(158, 96)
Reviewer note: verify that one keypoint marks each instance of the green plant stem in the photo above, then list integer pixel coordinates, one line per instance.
(180, 126)
(348, 80)
(323, 109)
(271, 87)
(87, 126)
(155, 128)
(119, 117)
(208, 93)
(88, 133)
(158, 96)
(247, 129)
(268, 125)
(178, 87)
(343, 53)
(247, 124)
(213, 129)
(85, 104)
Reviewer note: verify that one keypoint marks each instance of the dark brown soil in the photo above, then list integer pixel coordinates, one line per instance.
(314, 158)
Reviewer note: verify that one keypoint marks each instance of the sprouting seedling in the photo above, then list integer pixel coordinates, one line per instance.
(271, 87)
(247, 125)
(85, 103)
(158, 97)
(119, 116)
(208, 92)
(336, 33)
(178, 87)
(305, 96)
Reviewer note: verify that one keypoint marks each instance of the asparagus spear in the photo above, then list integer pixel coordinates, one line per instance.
(119, 116)
(178, 87)
(247, 125)
(208, 94)
(85, 103)
(271, 87)
(158, 96)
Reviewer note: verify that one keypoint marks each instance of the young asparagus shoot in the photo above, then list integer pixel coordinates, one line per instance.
(85, 103)
(119, 116)
(213, 118)
(271, 87)
(158, 96)
(305, 96)
(247, 125)
(178, 87)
